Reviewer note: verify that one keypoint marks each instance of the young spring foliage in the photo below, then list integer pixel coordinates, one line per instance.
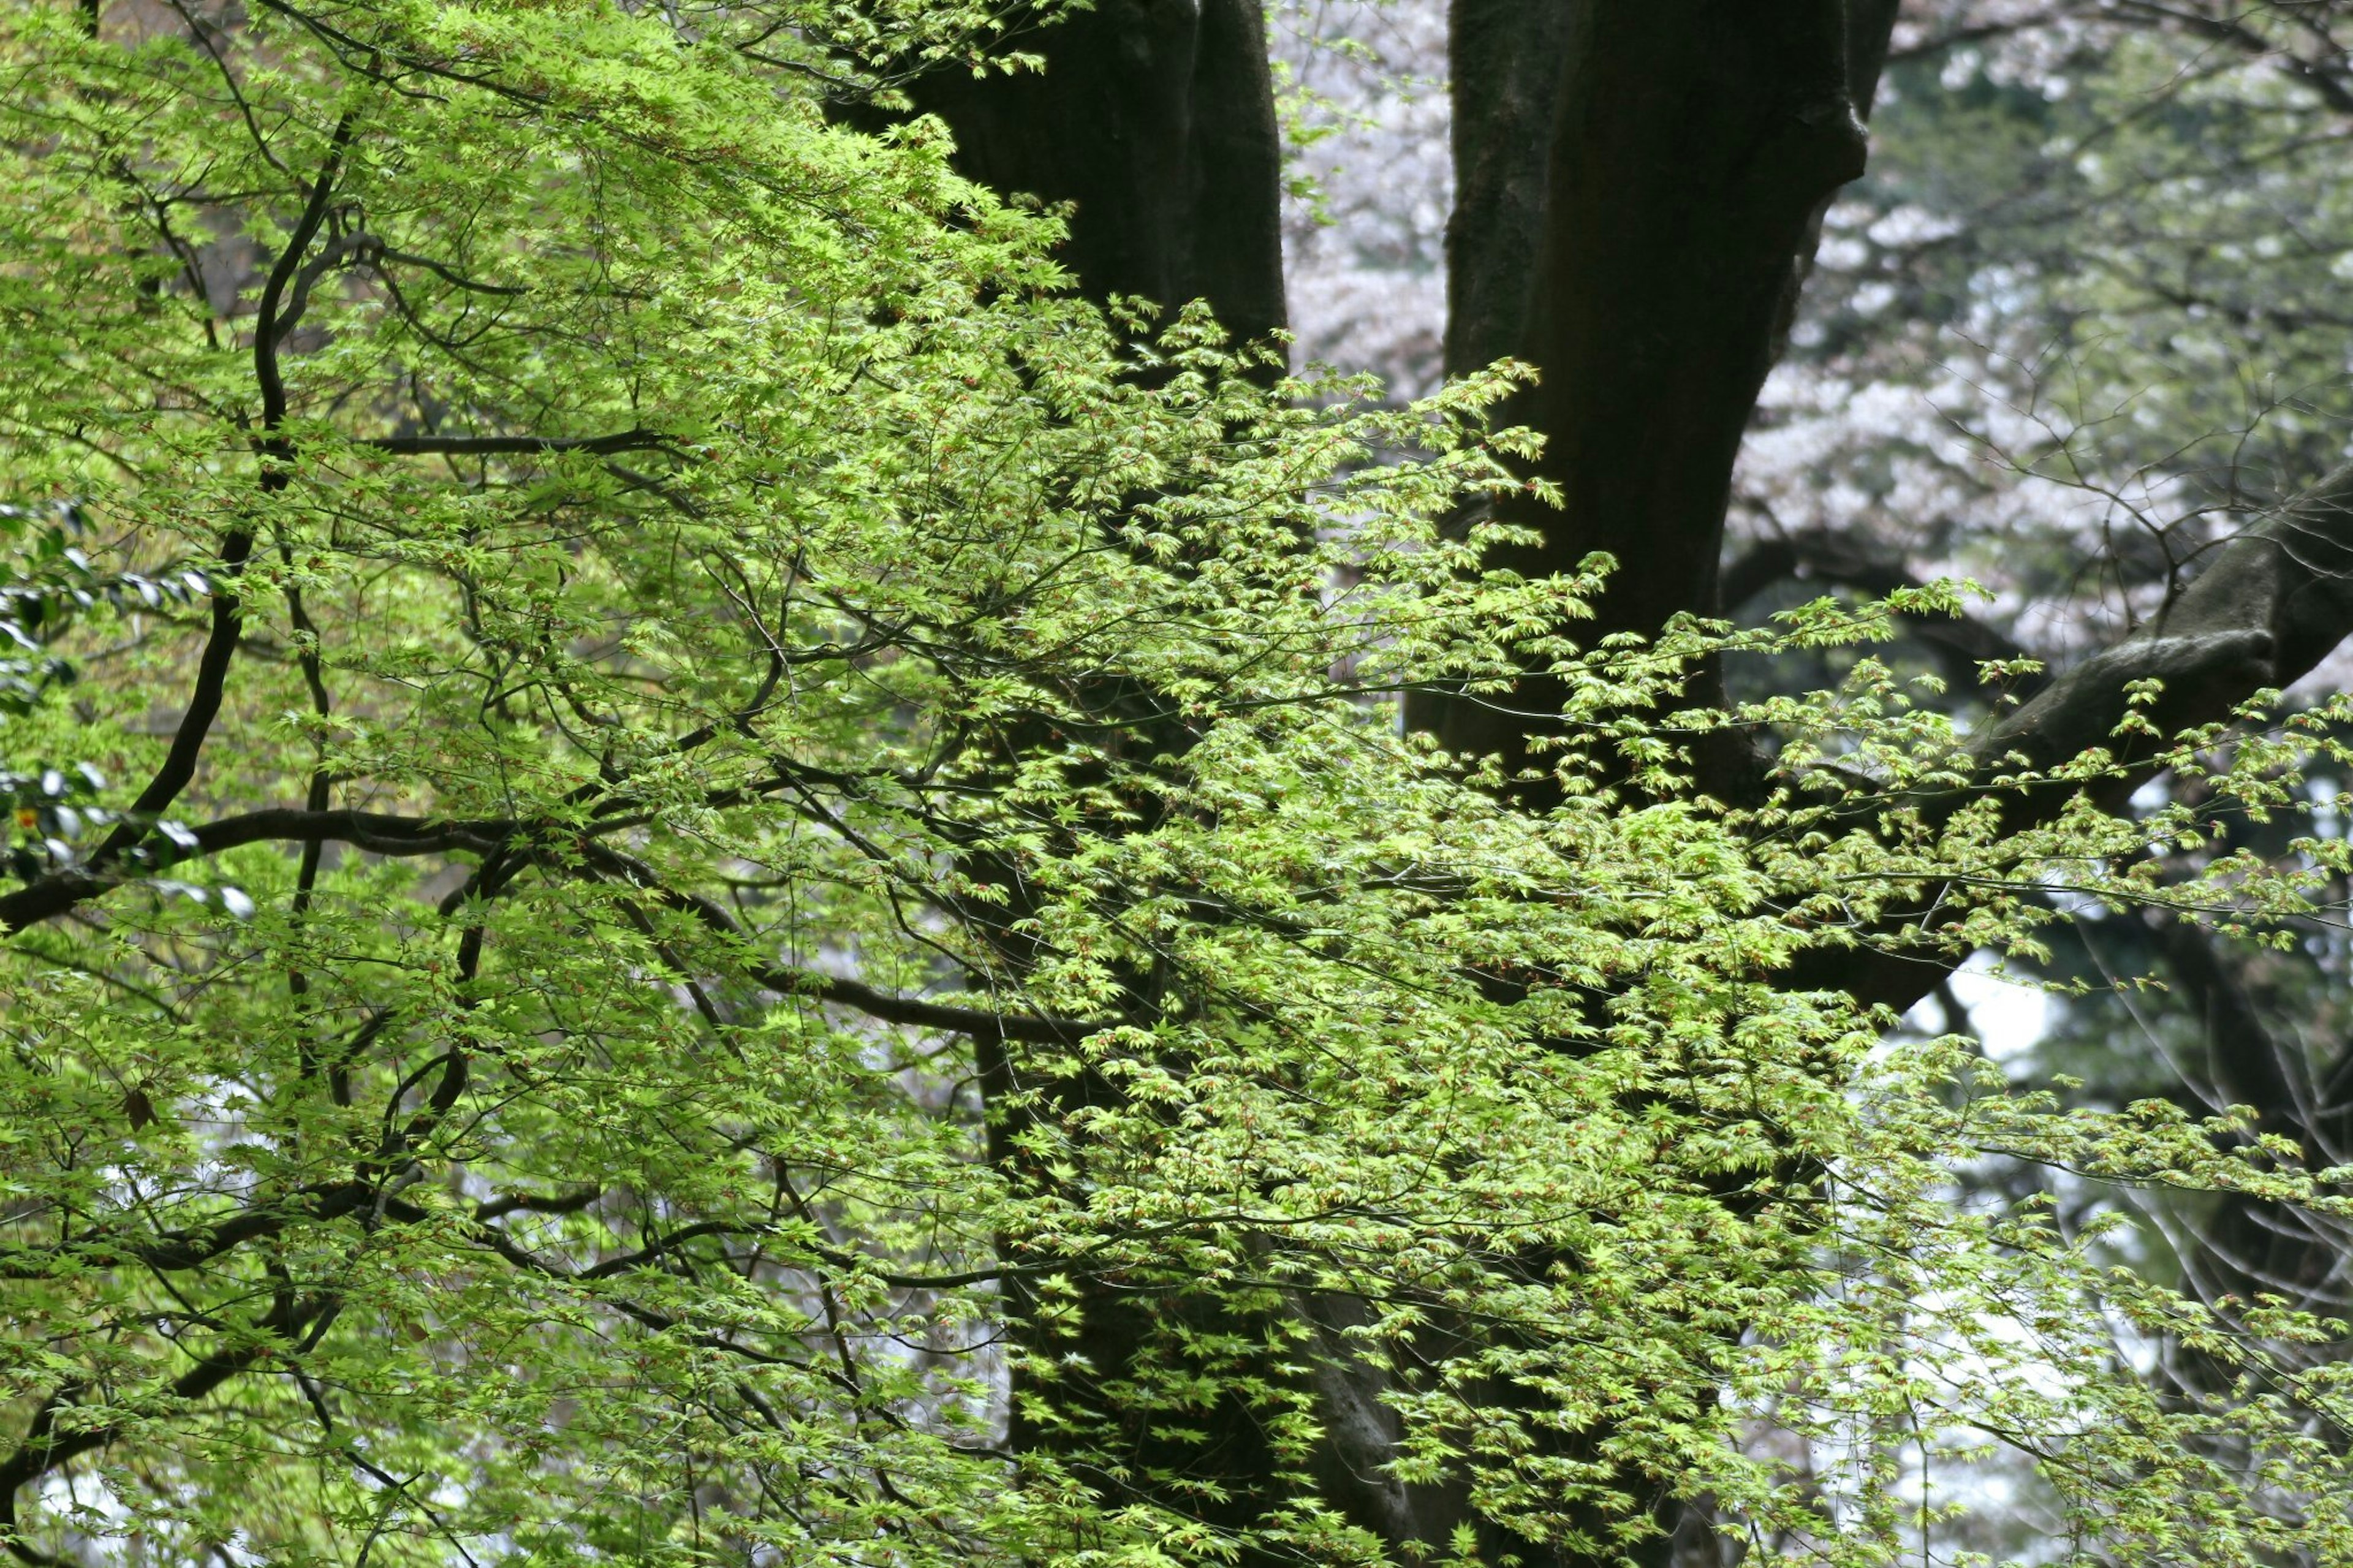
(672, 814)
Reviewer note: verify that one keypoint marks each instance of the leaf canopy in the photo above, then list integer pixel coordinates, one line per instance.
(661, 796)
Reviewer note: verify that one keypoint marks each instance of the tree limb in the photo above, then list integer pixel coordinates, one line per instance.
(236, 543)
(2275, 601)
(512, 445)
(382, 834)
(374, 831)
(193, 1247)
(2330, 87)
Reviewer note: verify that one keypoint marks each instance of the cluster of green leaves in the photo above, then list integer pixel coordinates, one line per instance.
(780, 806)
(46, 581)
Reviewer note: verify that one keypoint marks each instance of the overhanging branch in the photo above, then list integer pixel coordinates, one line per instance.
(2276, 601)
(383, 834)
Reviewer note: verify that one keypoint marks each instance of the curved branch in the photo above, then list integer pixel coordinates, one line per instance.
(1960, 37)
(2329, 87)
(228, 611)
(375, 832)
(382, 834)
(180, 1249)
(980, 1023)
(1029, 1027)
(2276, 601)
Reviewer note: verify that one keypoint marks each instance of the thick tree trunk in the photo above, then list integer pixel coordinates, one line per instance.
(1639, 192)
(1156, 119)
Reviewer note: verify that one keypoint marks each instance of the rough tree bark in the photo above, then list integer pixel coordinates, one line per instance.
(1155, 121)
(1640, 190)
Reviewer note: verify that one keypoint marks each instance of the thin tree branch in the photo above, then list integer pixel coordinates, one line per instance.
(513, 446)
(2275, 601)
(228, 612)
(191, 1248)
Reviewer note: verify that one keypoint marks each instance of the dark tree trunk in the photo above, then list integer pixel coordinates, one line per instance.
(1639, 194)
(1156, 119)
(1640, 189)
